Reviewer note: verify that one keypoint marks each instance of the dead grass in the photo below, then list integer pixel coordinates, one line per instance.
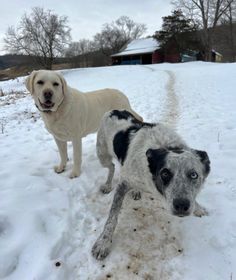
(10, 97)
(19, 71)
(14, 72)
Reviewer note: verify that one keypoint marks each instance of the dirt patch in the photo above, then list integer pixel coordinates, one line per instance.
(145, 241)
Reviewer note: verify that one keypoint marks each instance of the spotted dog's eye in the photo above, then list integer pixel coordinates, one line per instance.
(166, 175)
(193, 175)
(55, 84)
(40, 82)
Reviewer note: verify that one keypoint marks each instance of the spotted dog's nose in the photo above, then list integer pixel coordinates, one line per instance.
(48, 95)
(181, 206)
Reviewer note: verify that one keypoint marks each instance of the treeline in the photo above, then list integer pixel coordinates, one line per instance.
(44, 36)
(182, 34)
(201, 25)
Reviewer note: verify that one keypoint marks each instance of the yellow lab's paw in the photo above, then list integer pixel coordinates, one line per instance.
(59, 168)
(74, 174)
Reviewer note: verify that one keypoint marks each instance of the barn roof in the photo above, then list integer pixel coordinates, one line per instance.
(217, 53)
(139, 46)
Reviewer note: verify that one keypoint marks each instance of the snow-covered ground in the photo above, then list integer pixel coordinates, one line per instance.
(48, 222)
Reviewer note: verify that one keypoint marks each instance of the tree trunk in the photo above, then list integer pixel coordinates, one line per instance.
(232, 37)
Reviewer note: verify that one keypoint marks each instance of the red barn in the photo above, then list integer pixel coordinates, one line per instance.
(144, 51)
(139, 51)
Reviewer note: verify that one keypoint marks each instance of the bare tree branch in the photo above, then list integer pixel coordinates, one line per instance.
(206, 13)
(42, 34)
(118, 33)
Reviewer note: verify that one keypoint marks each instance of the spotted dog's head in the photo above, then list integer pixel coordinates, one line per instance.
(48, 89)
(178, 176)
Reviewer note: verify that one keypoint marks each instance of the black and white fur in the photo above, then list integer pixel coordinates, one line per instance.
(153, 159)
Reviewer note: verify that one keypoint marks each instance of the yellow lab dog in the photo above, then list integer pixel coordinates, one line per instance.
(69, 114)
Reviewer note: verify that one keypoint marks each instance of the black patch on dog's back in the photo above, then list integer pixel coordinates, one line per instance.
(126, 115)
(122, 139)
(122, 114)
(121, 142)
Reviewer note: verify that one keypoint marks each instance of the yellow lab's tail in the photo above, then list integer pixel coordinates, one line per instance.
(136, 115)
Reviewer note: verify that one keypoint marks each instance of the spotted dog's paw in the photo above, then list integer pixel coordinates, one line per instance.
(105, 188)
(136, 195)
(101, 248)
(200, 211)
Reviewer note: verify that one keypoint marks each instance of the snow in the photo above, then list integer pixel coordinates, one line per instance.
(46, 218)
(139, 46)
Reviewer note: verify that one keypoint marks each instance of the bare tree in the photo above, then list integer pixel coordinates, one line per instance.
(116, 34)
(42, 34)
(229, 20)
(82, 48)
(207, 14)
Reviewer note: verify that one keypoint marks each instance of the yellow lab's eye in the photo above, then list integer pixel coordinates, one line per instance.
(55, 84)
(40, 82)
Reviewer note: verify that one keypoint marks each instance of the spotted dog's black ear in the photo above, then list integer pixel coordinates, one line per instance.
(205, 160)
(156, 159)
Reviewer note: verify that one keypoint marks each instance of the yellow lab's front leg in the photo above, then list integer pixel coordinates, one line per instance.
(77, 157)
(62, 147)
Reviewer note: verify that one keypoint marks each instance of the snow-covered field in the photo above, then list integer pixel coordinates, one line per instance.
(48, 222)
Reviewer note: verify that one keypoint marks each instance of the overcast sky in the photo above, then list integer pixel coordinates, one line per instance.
(86, 17)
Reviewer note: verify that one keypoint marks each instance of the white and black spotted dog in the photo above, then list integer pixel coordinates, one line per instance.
(154, 159)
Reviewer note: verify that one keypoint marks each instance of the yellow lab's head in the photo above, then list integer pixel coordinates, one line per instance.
(48, 89)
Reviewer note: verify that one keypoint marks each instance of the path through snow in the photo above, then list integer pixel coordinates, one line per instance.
(152, 237)
(170, 112)
(147, 237)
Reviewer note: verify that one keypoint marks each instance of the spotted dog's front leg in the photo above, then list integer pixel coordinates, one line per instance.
(102, 246)
(200, 210)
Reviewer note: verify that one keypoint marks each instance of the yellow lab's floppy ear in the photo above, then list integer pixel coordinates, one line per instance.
(63, 82)
(29, 82)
